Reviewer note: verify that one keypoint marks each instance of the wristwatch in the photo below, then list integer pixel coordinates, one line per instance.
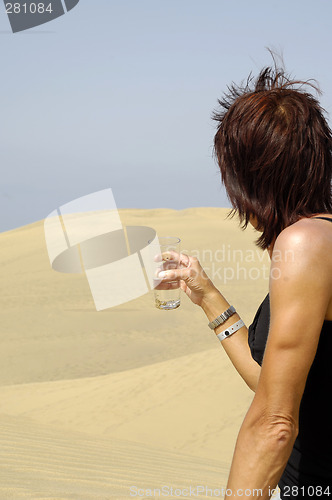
(222, 317)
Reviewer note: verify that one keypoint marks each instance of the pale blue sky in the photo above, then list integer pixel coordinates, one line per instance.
(119, 94)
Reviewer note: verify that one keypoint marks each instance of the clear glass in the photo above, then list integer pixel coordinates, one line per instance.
(165, 253)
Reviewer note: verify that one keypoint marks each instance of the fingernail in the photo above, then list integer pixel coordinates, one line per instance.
(162, 274)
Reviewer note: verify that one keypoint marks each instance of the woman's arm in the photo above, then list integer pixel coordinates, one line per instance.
(201, 291)
(300, 291)
(236, 346)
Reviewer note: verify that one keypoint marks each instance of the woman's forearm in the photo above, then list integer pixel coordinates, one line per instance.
(236, 346)
(261, 453)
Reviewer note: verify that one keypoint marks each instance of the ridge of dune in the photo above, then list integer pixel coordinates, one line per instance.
(138, 212)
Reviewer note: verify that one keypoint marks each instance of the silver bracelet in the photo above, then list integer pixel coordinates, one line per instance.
(230, 330)
(222, 318)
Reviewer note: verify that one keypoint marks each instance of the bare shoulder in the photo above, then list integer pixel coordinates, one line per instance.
(307, 239)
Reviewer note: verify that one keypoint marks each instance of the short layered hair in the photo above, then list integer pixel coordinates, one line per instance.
(273, 146)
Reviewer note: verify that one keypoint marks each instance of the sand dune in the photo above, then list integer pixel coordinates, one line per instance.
(50, 329)
(185, 404)
(92, 401)
(44, 463)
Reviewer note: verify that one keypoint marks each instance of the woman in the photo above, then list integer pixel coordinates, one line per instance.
(274, 150)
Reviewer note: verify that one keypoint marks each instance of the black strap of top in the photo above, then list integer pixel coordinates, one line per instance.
(325, 218)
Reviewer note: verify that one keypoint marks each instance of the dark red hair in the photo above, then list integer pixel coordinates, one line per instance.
(274, 150)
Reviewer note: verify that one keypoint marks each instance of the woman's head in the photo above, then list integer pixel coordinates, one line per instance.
(274, 149)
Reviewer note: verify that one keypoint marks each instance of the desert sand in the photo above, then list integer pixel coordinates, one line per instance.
(94, 405)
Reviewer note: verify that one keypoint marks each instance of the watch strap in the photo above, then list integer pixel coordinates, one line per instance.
(222, 317)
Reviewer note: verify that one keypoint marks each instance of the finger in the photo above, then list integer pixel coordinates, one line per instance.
(164, 266)
(168, 264)
(168, 285)
(166, 256)
(185, 260)
(177, 274)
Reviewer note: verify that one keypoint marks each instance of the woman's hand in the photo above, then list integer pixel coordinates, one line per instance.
(181, 270)
(184, 271)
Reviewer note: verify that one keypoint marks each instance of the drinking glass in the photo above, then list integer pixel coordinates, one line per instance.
(166, 256)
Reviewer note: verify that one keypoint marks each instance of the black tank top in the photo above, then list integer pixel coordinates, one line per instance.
(308, 473)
